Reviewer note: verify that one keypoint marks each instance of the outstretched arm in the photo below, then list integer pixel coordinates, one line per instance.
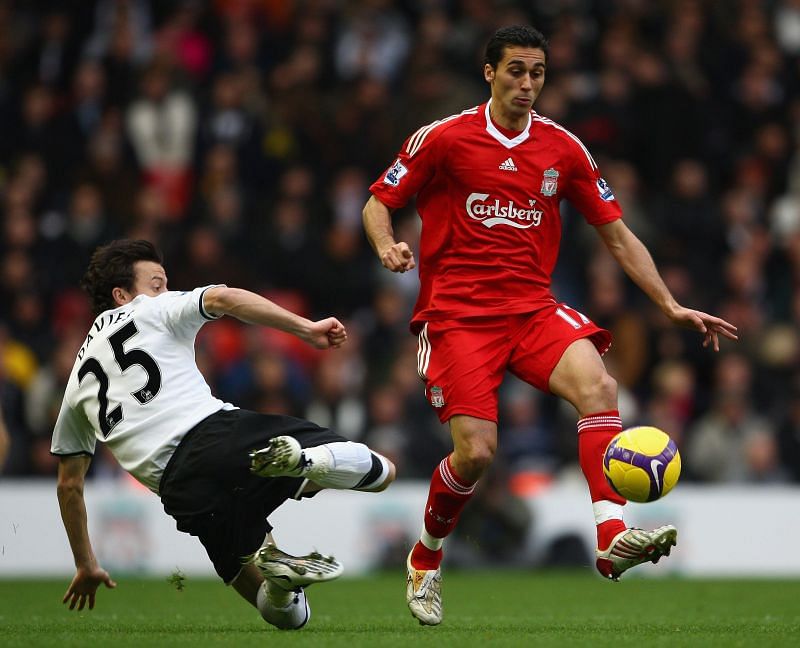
(395, 256)
(89, 575)
(634, 258)
(255, 309)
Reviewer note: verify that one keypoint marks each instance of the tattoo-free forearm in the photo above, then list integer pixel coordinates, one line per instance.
(377, 221)
(254, 309)
(73, 514)
(635, 260)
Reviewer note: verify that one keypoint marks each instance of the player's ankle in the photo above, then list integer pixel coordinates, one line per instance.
(424, 558)
(607, 531)
(272, 596)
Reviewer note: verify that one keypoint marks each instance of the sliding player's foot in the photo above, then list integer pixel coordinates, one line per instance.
(291, 572)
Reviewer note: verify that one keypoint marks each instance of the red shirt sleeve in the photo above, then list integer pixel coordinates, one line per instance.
(588, 191)
(414, 166)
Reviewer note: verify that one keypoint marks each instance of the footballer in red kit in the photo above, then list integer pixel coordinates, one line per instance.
(488, 183)
(489, 205)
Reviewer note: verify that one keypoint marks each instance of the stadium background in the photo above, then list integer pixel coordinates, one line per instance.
(241, 137)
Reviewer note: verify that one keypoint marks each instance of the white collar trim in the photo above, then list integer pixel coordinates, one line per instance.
(495, 132)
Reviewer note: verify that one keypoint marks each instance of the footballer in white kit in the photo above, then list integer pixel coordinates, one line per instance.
(219, 470)
(135, 385)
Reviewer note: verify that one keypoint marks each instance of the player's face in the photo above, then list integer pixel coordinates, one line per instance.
(516, 83)
(149, 279)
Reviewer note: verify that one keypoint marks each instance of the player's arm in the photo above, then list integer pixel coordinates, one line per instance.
(396, 256)
(634, 258)
(88, 575)
(255, 309)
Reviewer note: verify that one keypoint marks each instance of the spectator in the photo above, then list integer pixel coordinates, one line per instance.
(161, 125)
(50, 58)
(732, 441)
(86, 225)
(115, 17)
(789, 433)
(373, 43)
(261, 120)
(5, 442)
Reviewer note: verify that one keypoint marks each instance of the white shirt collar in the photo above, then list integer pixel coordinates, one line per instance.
(495, 132)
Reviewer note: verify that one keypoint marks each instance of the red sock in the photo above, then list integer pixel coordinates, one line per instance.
(446, 498)
(606, 531)
(594, 433)
(424, 558)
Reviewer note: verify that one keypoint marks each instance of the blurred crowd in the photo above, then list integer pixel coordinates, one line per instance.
(241, 137)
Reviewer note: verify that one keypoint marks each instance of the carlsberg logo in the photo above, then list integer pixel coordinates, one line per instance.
(492, 213)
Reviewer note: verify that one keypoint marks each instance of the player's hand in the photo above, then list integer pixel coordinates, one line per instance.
(328, 333)
(710, 326)
(398, 258)
(84, 585)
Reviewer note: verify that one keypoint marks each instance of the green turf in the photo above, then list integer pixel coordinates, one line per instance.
(492, 608)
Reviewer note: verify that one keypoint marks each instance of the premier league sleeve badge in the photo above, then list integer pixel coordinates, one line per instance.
(395, 174)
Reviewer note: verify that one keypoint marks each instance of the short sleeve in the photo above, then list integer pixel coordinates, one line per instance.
(588, 191)
(72, 434)
(414, 166)
(184, 312)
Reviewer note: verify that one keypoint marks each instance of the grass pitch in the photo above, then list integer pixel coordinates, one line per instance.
(490, 608)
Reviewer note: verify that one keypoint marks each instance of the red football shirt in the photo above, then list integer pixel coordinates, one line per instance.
(489, 205)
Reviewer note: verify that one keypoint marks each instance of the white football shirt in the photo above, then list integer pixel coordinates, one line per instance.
(135, 384)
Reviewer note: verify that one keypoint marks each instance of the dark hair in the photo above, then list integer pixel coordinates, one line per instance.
(111, 267)
(522, 35)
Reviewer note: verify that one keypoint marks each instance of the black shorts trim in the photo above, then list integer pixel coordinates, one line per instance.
(208, 488)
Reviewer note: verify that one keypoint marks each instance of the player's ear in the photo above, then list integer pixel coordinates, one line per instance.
(120, 296)
(488, 73)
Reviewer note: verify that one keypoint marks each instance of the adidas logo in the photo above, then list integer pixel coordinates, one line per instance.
(508, 165)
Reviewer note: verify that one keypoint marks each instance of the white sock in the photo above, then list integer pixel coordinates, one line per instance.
(605, 510)
(275, 595)
(292, 614)
(338, 465)
(429, 541)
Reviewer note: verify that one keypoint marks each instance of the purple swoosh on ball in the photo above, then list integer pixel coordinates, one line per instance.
(645, 462)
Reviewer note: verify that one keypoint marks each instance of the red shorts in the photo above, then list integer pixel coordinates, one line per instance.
(463, 361)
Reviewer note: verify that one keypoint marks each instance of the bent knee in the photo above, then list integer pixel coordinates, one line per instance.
(391, 475)
(472, 462)
(606, 389)
(596, 395)
(381, 474)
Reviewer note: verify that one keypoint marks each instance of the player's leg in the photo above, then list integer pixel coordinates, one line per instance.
(452, 486)
(462, 364)
(271, 580)
(558, 350)
(285, 609)
(580, 377)
(338, 465)
(274, 583)
(555, 351)
(212, 495)
(292, 447)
